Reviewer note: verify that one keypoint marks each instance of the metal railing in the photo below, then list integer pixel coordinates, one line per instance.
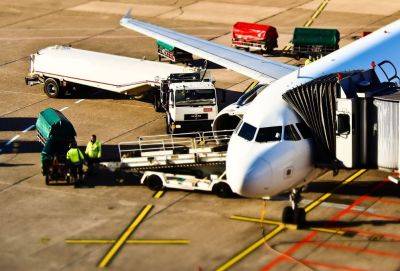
(163, 145)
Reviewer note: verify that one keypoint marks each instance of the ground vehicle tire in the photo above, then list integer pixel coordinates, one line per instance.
(222, 190)
(168, 129)
(154, 182)
(47, 179)
(157, 103)
(288, 215)
(52, 88)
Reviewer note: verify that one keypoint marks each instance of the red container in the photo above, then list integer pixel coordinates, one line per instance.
(251, 32)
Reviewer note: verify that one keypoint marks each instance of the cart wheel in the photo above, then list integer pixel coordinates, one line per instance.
(47, 179)
(52, 88)
(222, 190)
(154, 182)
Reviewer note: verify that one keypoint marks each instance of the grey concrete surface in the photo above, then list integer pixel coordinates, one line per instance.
(35, 219)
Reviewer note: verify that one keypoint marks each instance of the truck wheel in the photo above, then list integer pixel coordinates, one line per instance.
(168, 127)
(52, 88)
(222, 190)
(157, 104)
(154, 182)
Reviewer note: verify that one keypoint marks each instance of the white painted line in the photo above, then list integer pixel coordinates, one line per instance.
(78, 101)
(64, 108)
(29, 128)
(12, 140)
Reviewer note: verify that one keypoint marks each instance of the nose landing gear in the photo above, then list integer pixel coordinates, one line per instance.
(293, 214)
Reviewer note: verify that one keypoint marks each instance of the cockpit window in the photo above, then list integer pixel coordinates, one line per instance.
(290, 133)
(247, 131)
(304, 130)
(268, 134)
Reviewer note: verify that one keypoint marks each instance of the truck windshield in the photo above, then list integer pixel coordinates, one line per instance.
(194, 97)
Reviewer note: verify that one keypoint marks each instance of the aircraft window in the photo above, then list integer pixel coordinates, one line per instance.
(247, 131)
(290, 133)
(268, 134)
(304, 130)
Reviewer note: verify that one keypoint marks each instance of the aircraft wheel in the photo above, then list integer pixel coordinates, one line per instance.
(154, 182)
(300, 217)
(288, 215)
(222, 190)
(52, 88)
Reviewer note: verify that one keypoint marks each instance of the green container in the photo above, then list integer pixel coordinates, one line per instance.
(52, 123)
(165, 46)
(315, 36)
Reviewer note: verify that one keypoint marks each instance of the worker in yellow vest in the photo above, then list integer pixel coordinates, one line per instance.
(309, 60)
(75, 159)
(93, 153)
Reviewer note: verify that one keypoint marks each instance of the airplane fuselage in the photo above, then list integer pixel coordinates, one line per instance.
(259, 164)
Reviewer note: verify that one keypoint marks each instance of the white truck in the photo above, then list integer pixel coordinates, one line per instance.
(186, 94)
(189, 100)
(62, 68)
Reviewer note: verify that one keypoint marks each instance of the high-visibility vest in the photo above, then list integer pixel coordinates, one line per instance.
(93, 150)
(75, 156)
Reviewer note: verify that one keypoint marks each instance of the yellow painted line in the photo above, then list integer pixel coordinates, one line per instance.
(280, 227)
(124, 236)
(158, 194)
(251, 85)
(251, 248)
(321, 199)
(132, 241)
(288, 226)
(251, 219)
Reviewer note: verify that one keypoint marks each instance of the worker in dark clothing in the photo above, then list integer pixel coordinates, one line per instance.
(93, 153)
(75, 161)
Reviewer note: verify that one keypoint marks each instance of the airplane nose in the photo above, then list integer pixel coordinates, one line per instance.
(248, 177)
(255, 179)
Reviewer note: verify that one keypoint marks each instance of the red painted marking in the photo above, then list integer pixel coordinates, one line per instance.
(391, 201)
(290, 251)
(331, 266)
(369, 214)
(312, 234)
(369, 233)
(356, 249)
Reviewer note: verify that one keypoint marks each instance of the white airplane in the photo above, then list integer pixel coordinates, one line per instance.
(266, 156)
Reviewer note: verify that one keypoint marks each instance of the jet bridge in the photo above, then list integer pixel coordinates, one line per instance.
(351, 117)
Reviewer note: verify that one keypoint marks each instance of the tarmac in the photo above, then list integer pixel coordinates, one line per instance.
(354, 216)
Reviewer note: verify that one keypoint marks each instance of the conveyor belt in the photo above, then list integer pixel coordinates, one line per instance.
(171, 166)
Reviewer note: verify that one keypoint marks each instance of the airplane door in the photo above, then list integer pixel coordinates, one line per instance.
(345, 131)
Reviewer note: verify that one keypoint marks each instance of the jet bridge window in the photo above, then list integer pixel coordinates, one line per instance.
(247, 131)
(269, 134)
(290, 133)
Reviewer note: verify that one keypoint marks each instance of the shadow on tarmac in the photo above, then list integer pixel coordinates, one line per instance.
(21, 147)
(15, 124)
(356, 189)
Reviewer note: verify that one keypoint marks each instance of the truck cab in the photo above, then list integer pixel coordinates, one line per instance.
(190, 102)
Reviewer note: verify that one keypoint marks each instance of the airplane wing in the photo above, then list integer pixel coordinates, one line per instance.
(251, 65)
